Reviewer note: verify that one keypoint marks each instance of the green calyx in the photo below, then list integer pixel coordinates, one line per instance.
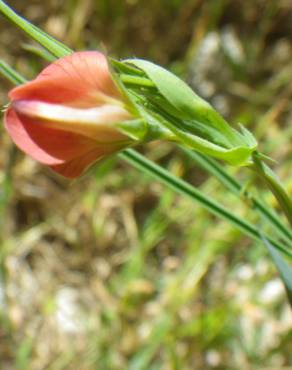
(184, 116)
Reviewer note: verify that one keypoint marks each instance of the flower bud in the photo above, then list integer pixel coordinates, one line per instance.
(69, 116)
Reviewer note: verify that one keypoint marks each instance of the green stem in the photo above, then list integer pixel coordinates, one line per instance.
(274, 184)
(136, 81)
(213, 167)
(182, 187)
(54, 46)
(10, 73)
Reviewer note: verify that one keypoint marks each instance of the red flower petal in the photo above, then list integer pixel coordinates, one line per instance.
(75, 167)
(46, 145)
(81, 79)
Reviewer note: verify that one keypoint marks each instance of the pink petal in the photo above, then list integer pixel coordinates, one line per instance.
(46, 145)
(75, 167)
(81, 79)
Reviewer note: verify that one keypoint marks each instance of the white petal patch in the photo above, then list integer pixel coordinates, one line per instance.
(97, 122)
(61, 113)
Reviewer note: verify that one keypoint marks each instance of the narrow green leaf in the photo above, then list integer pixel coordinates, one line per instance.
(54, 46)
(10, 73)
(126, 68)
(274, 184)
(39, 51)
(284, 269)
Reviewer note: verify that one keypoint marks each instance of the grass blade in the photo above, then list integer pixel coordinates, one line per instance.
(284, 269)
(54, 46)
(10, 73)
(40, 52)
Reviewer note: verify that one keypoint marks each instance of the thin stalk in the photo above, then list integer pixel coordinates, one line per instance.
(184, 188)
(213, 167)
(10, 73)
(127, 69)
(41, 52)
(136, 81)
(274, 184)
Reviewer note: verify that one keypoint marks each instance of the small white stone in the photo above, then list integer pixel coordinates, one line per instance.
(245, 272)
(68, 312)
(272, 291)
(213, 358)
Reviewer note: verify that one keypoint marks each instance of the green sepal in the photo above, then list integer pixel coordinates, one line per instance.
(238, 156)
(186, 102)
(173, 89)
(144, 128)
(201, 127)
(135, 129)
(249, 138)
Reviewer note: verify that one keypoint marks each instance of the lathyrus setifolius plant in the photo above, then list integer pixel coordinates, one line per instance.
(83, 107)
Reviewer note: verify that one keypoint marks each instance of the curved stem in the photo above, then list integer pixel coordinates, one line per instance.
(274, 184)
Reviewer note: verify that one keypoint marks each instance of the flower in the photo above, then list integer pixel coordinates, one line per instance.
(67, 117)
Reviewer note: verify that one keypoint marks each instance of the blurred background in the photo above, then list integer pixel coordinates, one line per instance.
(114, 271)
